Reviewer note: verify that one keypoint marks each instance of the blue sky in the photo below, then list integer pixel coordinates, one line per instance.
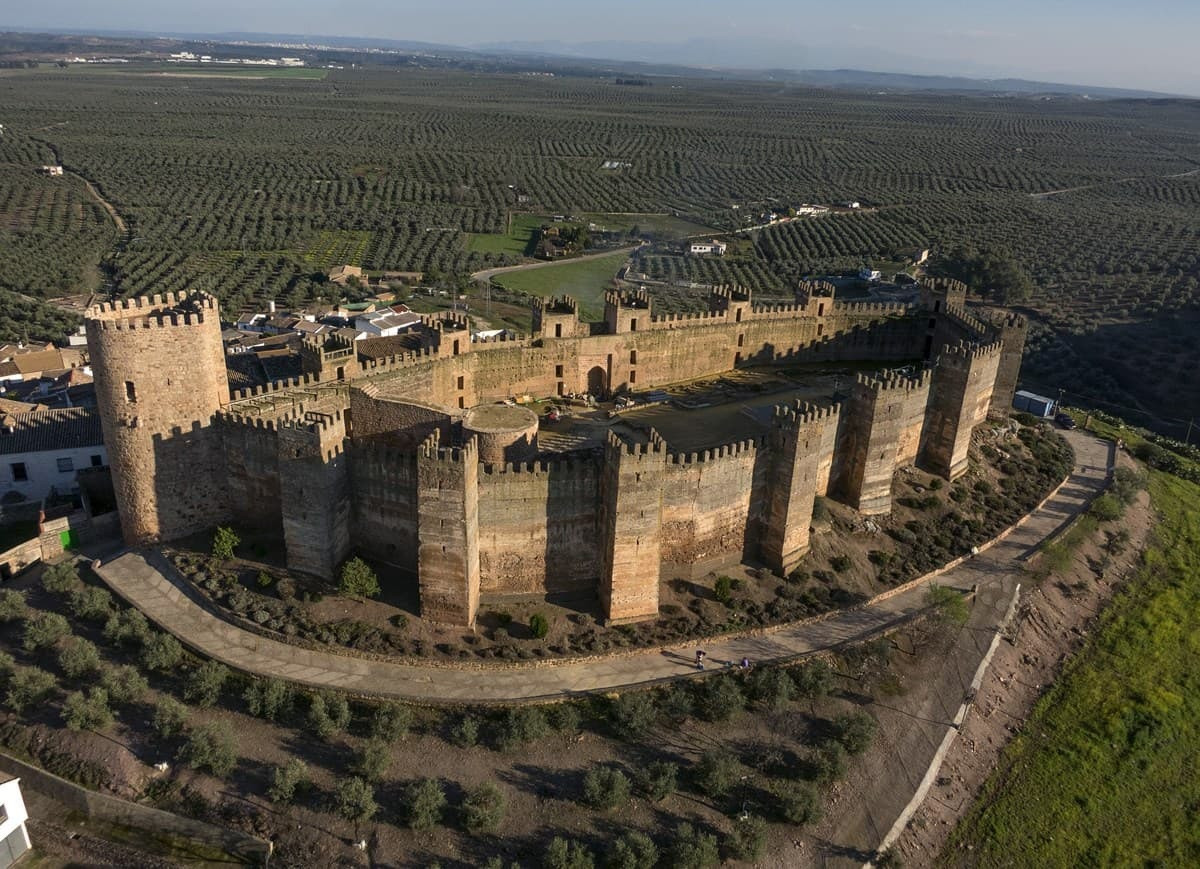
(1146, 44)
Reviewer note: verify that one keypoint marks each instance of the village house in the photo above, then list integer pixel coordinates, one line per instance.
(708, 247)
(42, 450)
(14, 838)
(341, 275)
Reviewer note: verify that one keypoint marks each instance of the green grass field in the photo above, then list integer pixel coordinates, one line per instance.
(585, 280)
(1104, 773)
(518, 241)
(666, 226)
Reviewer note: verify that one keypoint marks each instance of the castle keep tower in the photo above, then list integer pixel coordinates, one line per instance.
(160, 377)
(631, 493)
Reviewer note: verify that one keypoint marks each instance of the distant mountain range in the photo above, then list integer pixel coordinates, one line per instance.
(728, 58)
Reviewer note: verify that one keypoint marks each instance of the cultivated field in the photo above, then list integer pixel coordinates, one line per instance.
(249, 187)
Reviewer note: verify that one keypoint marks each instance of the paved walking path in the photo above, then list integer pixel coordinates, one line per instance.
(177, 608)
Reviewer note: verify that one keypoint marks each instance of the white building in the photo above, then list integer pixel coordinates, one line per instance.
(42, 450)
(386, 323)
(868, 274)
(707, 247)
(14, 838)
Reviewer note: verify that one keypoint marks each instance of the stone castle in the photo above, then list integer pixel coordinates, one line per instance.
(409, 461)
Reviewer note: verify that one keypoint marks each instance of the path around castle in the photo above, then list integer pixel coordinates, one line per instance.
(174, 606)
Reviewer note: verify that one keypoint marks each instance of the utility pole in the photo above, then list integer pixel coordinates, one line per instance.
(1187, 437)
(1061, 391)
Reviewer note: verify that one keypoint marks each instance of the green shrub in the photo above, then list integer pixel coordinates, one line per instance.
(840, 563)
(161, 652)
(269, 698)
(632, 850)
(211, 747)
(633, 714)
(170, 717)
(1126, 484)
(948, 604)
(520, 726)
(675, 703)
(124, 685)
(1107, 508)
(748, 838)
(28, 686)
(829, 761)
(483, 809)
(328, 714)
(286, 780)
(796, 801)
(78, 657)
(12, 605)
(723, 589)
(354, 800)
(539, 626)
(565, 718)
(567, 854)
(771, 688)
(358, 579)
(813, 679)
(716, 773)
(87, 711)
(720, 699)
(854, 731)
(693, 849)
(465, 733)
(660, 780)
(391, 722)
(7, 664)
(204, 684)
(426, 801)
(45, 629)
(224, 542)
(127, 628)
(605, 787)
(372, 760)
(90, 604)
(264, 579)
(61, 578)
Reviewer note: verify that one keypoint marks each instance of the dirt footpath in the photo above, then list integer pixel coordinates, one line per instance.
(1053, 620)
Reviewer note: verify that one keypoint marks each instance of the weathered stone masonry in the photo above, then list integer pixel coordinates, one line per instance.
(374, 456)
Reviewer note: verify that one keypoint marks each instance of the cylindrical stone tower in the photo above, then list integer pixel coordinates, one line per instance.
(160, 377)
(504, 433)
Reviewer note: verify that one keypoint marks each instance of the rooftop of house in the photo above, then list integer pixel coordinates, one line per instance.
(45, 430)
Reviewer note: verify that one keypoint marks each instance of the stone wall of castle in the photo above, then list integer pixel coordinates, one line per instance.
(372, 456)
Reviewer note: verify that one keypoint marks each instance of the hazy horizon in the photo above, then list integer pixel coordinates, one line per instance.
(1082, 42)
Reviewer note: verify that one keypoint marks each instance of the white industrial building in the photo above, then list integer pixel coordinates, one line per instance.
(14, 838)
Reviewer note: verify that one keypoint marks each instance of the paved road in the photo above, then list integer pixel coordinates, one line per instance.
(488, 274)
(147, 582)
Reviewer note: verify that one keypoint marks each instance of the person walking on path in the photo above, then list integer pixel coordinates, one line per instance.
(745, 663)
(699, 659)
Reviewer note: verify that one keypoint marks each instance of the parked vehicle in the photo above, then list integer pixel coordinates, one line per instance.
(1064, 420)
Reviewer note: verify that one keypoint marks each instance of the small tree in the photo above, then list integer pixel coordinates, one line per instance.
(204, 684)
(87, 711)
(693, 849)
(161, 652)
(28, 686)
(660, 780)
(854, 731)
(127, 628)
(61, 578)
(465, 733)
(124, 684)
(210, 746)
(797, 802)
(605, 787)
(632, 850)
(721, 699)
(567, 854)
(170, 717)
(633, 714)
(717, 772)
(748, 838)
(520, 726)
(286, 780)
(45, 629)
(224, 542)
(829, 761)
(91, 604)
(358, 579)
(269, 698)
(391, 722)
(1107, 508)
(354, 800)
(372, 760)
(771, 687)
(12, 605)
(539, 626)
(483, 809)
(723, 589)
(78, 657)
(426, 802)
(813, 679)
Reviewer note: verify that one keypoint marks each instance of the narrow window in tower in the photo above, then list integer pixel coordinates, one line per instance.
(633, 357)
(130, 391)
(558, 330)
(633, 325)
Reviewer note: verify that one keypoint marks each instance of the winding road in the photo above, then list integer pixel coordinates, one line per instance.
(488, 274)
(147, 581)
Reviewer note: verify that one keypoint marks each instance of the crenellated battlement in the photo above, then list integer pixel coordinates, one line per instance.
(395, 362)
(893, 381)
(964, 353)
(802, 413)
(573, 466)
(502, 340)
(432, 450)
(871, 309)
(737, 449)
(627, 298)
(555, 305)
(155, 312)
(616, 445)
(275, 388)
